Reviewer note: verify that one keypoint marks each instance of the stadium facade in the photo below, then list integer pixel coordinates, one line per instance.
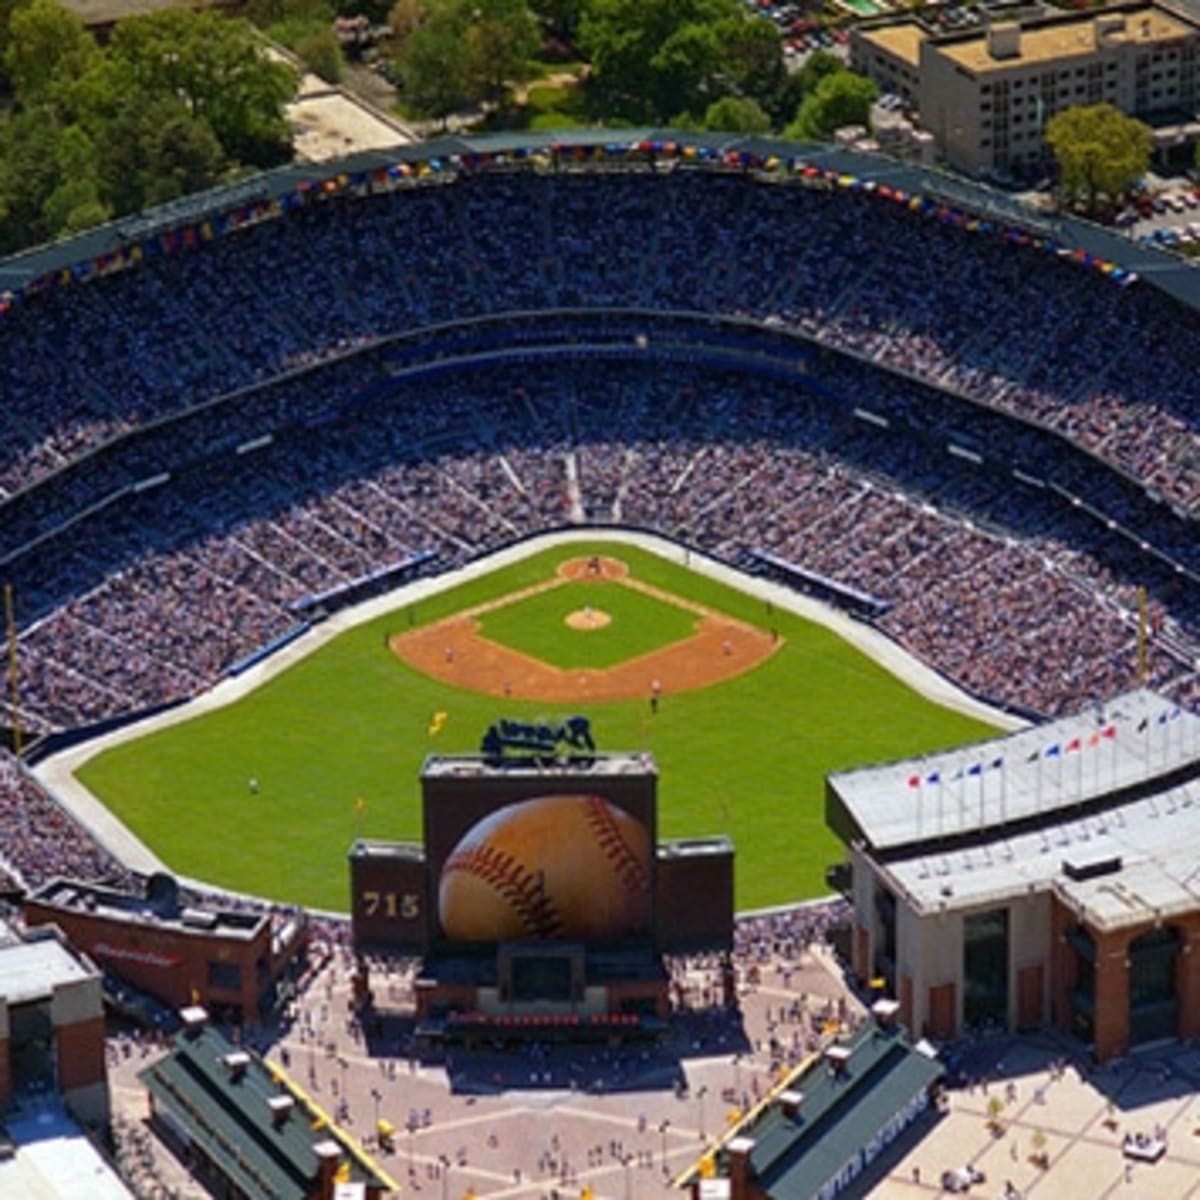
(1048, 877)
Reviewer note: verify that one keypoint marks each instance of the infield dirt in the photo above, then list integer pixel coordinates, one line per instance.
(455, 652)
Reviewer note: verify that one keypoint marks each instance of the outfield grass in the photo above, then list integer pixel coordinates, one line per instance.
(537, 625)
(747, 757)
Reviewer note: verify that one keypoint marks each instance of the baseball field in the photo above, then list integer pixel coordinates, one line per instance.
(745, 706)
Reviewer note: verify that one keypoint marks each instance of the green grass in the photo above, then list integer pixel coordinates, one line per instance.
(747, 758)
(537, 625)
(547, 121)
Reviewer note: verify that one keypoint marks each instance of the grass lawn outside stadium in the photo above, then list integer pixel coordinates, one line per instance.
(746, 757)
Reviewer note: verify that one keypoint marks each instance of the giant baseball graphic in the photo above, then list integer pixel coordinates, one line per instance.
(568, 867)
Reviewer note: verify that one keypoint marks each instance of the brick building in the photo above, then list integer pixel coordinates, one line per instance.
(51, 1025)
(1045, 878)
(226, 959)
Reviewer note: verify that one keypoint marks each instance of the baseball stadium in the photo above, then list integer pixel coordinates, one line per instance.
(819, 490)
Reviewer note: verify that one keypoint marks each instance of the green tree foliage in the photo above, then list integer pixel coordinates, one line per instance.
(150, 154)
(843, 98)
(736, 114)
(214, 67)
(172, 103)
(28, 174)
(404, 18)
(652, 59)
(464, 52)
(818, 66)
(559, 17)
(321, 53)
(1098, 150)
(45, 44)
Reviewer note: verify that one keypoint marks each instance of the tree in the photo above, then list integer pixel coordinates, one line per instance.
(465, 52)
(841, 99)
(215, 68)
(28, 174)
(45, 43)
(1098, 150)
(501, 37)
(434, 70)
(405, 18)
(153, 152)
(736, 114)
(560, 17)
(652, 59)
(818, 66)
(75, 202)
(321, 53)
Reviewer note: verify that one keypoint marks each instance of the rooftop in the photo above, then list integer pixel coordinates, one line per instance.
(902, 39)
(240, 1110)
(1125, 866)
(837, 1114)
(31, 970)
(73, 896)
(1038, 774)
(1064, 39)
(54, 1159)
(439, 766)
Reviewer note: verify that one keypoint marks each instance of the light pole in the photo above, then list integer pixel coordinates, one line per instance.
(377, 1096)
(664, 1125)
(700, 1094)
(628, 1162)
(445, 1175)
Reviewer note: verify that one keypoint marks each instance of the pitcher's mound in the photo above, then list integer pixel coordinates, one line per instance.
(588, 618)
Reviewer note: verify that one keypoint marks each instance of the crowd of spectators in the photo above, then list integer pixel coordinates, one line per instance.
(1023, 591)
(1010, 590)
(1013, 327)
(42, 840)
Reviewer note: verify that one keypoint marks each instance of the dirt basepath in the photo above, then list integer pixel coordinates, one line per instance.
(455, 652)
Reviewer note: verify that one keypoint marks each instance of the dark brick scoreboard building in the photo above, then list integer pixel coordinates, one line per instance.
(541, 894)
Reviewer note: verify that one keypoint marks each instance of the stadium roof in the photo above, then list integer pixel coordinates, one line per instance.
(1165, 271)
(1037, 776)
(33, 968)
(1128, 865)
